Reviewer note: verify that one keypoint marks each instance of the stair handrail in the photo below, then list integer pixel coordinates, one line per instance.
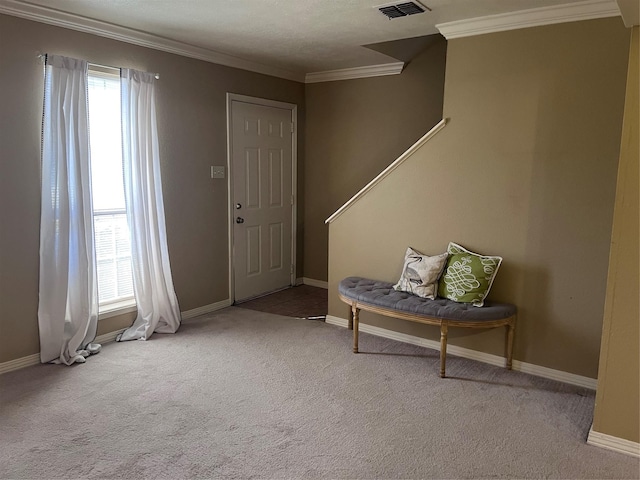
(424, 139)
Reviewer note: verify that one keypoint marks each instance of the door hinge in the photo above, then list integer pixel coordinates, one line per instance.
(293, 201)
(293, 127)
(291, 270)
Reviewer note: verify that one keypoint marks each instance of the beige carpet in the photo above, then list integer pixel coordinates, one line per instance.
(244, 394)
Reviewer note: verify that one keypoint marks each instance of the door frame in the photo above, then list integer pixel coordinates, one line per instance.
(293, 108)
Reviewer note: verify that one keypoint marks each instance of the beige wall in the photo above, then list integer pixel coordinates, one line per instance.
(355, 129)
(617, 409)
(526, 168)
(192, 129)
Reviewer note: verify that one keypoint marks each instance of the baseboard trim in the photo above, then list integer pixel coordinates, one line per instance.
(19, 363)
(559, 375)
(315, 283)
(519, 366)
(34, 359)
(616, 444)
(212, 307)
(109, 337)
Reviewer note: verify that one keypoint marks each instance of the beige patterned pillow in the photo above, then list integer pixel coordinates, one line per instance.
(420, 274)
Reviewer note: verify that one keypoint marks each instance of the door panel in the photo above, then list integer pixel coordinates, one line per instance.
(261, 157)
(252, 178)
(276, 169)
(254, 250)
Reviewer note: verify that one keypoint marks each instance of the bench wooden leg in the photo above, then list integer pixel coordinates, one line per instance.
(350, 318)
(443, 347)
(356, 323)
(510, 332)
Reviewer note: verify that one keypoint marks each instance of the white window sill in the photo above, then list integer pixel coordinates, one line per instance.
(116, 308)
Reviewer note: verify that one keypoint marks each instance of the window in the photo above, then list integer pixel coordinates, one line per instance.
(113, 248)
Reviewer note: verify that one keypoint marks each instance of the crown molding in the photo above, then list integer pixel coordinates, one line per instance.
(357, 72)
(630, 11)
(58, 18)
(570, 12)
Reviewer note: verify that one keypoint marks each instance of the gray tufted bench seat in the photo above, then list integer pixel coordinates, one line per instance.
(380, 297)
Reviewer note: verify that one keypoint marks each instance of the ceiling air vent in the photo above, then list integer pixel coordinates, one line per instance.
(402, 9)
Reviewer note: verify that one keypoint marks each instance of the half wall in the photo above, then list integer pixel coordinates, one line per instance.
(525, 169)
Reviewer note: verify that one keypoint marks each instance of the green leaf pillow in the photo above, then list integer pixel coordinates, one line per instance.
(467, 276)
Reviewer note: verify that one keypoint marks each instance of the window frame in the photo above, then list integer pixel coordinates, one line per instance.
(121, 305)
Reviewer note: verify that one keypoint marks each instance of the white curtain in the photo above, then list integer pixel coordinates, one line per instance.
(156, 300)
(68, 296)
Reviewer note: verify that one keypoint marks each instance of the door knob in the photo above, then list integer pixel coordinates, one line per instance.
(238, 206)
(239, 220)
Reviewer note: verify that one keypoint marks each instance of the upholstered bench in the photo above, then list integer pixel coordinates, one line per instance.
(380, 297)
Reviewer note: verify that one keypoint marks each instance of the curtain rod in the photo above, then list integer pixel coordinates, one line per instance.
(42, 56)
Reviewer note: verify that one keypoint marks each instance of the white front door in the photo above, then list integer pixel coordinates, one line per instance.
(262, 199)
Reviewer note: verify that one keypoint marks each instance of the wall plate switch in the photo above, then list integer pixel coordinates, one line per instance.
(217, 172)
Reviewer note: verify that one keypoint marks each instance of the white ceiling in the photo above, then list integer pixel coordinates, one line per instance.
(298, 36)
